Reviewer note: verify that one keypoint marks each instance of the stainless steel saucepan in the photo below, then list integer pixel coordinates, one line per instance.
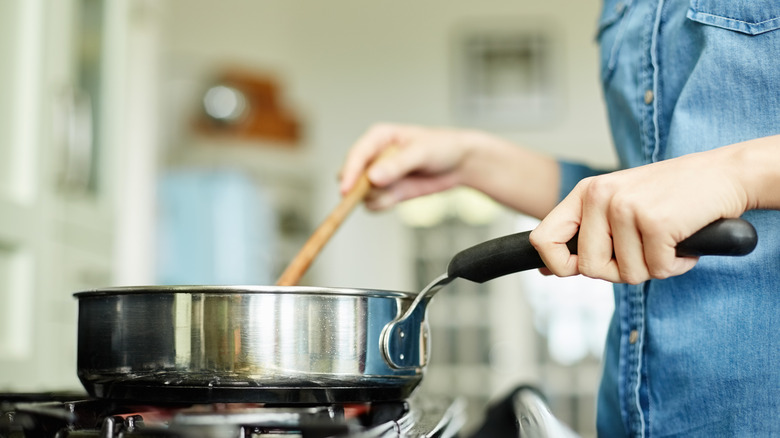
(290, 344)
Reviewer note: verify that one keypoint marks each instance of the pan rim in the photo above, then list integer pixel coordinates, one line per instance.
(243, 290)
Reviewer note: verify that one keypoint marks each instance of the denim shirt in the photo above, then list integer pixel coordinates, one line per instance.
(697, 354)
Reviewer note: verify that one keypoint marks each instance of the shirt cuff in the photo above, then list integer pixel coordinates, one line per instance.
(572, 173)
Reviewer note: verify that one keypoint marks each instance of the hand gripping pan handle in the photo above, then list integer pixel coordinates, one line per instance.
(514, 253)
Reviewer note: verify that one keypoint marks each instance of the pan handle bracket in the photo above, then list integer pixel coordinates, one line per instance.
(405, 344)
(404, 340)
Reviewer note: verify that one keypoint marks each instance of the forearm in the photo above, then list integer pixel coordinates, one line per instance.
(519, 178)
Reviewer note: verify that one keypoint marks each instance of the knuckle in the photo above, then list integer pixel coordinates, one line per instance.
(563, 269)
(599, 189)
(660, 272)
(383, 132)
(536, 241)
(564, 273)
(652, 222)
(631, 276)
(555, 263)
(587, 268)
(624, 206)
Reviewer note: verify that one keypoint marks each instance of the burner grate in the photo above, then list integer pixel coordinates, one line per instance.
(45, 416)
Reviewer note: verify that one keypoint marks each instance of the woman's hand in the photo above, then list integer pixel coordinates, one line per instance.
(630, 221)
(430, 160)
(427, 160)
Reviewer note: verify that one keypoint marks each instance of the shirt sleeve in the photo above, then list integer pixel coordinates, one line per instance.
(572, 173)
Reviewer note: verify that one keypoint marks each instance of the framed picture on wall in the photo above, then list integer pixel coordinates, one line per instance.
(505, 74)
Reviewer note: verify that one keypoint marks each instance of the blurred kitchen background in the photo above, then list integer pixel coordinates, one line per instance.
(199, 142)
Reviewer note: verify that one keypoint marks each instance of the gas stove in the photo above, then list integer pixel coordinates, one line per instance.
(75, 415)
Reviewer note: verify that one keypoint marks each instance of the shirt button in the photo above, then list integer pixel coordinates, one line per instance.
(649, 97)
(633, 337)
(619, 7)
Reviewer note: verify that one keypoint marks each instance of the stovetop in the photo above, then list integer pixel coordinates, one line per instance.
(76, 415)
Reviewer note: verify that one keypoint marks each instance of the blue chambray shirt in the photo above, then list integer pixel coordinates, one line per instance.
(697, 354)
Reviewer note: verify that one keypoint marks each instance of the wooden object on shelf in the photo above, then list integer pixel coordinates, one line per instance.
(241, 104)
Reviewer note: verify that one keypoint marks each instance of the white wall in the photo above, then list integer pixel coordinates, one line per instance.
(346, 64)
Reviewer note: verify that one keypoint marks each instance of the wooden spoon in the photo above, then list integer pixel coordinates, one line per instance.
(300, 263)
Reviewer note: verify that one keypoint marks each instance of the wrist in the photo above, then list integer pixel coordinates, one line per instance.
(758, 171)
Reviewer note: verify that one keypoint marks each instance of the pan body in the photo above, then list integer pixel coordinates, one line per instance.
(207, 344)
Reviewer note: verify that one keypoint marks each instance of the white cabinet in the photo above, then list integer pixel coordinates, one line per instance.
(80, 90)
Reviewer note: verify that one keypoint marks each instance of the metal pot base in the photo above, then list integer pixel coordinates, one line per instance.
(145, 391)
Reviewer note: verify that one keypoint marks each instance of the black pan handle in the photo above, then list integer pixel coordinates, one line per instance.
(514, 253)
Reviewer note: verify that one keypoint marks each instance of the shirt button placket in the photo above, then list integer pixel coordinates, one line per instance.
(637, 318)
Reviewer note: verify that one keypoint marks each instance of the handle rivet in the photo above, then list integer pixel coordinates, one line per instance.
(402, 357)
(402, 334)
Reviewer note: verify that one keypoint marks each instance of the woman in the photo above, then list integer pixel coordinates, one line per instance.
(693, 94)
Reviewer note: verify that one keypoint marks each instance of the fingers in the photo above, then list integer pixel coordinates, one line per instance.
(365, 150)
(404, 162)
(618, 240)
(368, 155)
(613, 244)
(406, 159)
(629, 251)
(660, 253)
(410, 187)
(550, 237)
(595, 248)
